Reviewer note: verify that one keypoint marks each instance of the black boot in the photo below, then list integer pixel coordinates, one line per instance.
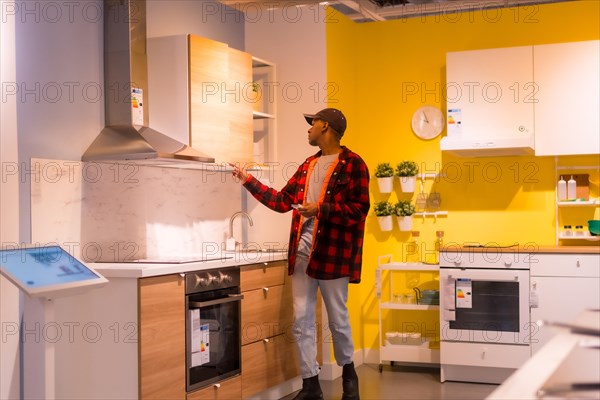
(350, 383)
(311, 390)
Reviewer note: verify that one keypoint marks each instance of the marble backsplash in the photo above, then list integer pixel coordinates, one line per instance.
(118, 212)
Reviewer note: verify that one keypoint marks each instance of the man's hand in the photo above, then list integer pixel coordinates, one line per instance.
(308, 210)
(239, 173)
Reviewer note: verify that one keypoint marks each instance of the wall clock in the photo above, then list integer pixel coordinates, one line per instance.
(427, 122)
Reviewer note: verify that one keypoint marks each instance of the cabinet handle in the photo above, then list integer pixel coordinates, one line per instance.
(266, 340)
(578, 263)
(266, 289)
(217, 385)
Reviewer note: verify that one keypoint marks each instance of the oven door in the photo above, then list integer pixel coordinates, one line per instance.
(212, 337)
(484, 305)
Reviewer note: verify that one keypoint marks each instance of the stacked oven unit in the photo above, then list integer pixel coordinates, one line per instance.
(485, 327)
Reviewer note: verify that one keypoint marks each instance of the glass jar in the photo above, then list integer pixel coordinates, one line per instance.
(567, 230)
(579, 231)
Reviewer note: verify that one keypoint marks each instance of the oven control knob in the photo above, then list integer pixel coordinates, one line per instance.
(225, 278)
(507, 261)
(211, 278)
(200, 281)
(457, 262)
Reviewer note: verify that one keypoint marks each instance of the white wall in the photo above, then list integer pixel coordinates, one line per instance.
(209, 19)
(295, 42)
(9, 211)
(52, 54)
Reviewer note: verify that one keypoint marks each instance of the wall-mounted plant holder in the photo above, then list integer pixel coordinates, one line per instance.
(407, 183)
(385, 184)
(405, 223)
(386, 223)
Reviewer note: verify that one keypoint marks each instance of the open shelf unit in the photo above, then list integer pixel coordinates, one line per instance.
(410, 353)
(563, 208)
(264, 112)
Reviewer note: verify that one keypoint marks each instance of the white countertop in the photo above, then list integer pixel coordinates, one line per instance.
(563, 360)
(146, 269)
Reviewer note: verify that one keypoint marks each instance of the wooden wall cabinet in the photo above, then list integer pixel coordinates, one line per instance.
(162, 337)
(198, 94)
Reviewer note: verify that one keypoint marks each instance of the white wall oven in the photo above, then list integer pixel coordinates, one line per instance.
(484, 314)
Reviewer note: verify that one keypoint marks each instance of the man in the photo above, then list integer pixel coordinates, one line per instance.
(329, 196)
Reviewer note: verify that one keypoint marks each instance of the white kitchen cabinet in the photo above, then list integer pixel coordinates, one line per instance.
(409, 350)
(547, 99)
(562, 286)
(566, 113)
(490, 107)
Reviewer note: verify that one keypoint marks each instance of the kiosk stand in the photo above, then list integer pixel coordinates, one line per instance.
(43, 273)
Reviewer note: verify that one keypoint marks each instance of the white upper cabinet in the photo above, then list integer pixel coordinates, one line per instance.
(490, 99)
(567, 113)
(510, 101)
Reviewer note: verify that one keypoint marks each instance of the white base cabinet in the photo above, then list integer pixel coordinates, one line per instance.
(481, 362)
(562, 286)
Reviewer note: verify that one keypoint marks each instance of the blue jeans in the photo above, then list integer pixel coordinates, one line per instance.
(335, 296)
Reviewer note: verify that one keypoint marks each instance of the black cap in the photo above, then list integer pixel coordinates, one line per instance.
(333, 116)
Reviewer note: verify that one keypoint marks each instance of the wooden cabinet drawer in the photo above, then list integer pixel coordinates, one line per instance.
(266, 312)
(256, 276)
(268, 363)
(229, 389)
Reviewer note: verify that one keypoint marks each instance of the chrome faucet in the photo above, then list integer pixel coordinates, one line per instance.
(231, 227)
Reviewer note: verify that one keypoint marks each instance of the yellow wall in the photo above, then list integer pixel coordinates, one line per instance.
(370, 64)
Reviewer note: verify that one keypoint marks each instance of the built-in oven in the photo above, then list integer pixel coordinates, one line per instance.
(213, 318)
(485, 329)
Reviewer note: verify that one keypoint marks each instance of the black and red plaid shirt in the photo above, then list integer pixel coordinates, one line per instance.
(340, 222)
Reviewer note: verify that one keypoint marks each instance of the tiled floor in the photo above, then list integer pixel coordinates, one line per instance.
(400, 382)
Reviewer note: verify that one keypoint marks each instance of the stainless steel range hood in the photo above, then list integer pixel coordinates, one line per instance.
(127, 135)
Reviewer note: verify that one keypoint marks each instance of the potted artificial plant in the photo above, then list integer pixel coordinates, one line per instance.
(255, 96)
(404, 211)
(385, 177)
(384, 211)
(407, 171)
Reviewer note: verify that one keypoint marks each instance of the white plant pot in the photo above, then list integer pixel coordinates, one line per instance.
(386, 223)
(385, 184)
(405, 223)
(408, 183)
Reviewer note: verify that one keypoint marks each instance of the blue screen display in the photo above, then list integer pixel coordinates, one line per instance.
(44, 266)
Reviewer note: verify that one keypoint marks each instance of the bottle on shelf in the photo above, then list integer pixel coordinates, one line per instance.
(413, 248)
(567, 230)
(561, 189)
(439, 244)
(571, 189)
